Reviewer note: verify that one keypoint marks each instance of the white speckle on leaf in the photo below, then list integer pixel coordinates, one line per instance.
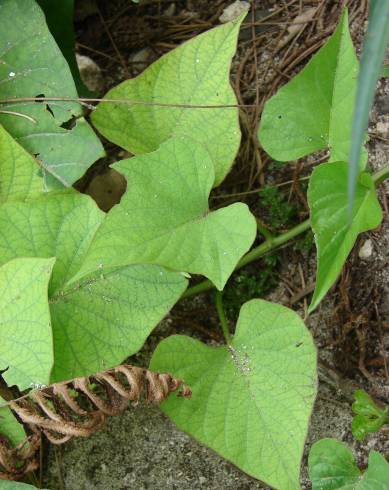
(11, 74)
(241, 360)
(37, 386)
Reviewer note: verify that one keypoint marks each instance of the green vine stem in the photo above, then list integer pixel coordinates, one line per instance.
(222, 316)
(274, 242)
(381, 175)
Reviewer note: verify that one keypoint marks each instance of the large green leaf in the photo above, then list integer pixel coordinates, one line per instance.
(314, 110)
(334, 236)
(251, 400)
(59, 19)
(9, 426)
(195, 73)
(26, 347)
(373, 53)
(108, 315)
(164, 217)
(332, 467)
(31, 64)
(19, 171)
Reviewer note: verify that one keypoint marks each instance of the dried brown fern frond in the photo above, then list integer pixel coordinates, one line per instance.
(79, 407)
(15, 462)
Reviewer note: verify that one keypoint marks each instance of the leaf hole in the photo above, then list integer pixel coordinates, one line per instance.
(69, 124)
(48, 108)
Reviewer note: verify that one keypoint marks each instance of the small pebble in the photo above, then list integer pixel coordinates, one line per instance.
(366, 250)
(233, 11)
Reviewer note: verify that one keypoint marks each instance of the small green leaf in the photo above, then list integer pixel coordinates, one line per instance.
(314, 110)
(251, 401)
(369, 417)
(32, 65)
(164, 217)
(99, 321)
(332, 467)
(9, 426)
(364, 405)
(327, 198)
(376, 477)
(195, 73)
(19, 171)
(26, 347)
(373, 53)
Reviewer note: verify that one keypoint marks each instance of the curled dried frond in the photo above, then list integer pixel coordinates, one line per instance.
(79, 407)
(15, 462)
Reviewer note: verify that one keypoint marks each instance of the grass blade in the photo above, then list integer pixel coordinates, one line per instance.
(373, 53)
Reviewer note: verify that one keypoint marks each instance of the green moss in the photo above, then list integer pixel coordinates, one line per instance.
(278, 212)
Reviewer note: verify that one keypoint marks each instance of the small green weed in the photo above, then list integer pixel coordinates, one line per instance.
(278, 211)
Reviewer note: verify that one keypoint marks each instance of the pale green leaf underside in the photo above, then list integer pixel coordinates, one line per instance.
(328, 202)
(19, 171)
(314, 110)
(9, 426)
(25, 329)
(31, 65)
(195, 73)
(164, 218)
(332, 467)
(251, 402)
(106, 317)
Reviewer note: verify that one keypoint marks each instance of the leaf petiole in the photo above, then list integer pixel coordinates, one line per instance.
(222, 316)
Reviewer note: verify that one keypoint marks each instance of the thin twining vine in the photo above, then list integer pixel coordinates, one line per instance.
(87, 102)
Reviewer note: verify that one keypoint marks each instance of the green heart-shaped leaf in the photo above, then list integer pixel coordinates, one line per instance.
(164, 217)
(252, 400)
(332, 467)
(32, 65)
(19, 179)
(334, 236)
(195, 73)
(25, 329)
(107, 316)
(314, 110)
